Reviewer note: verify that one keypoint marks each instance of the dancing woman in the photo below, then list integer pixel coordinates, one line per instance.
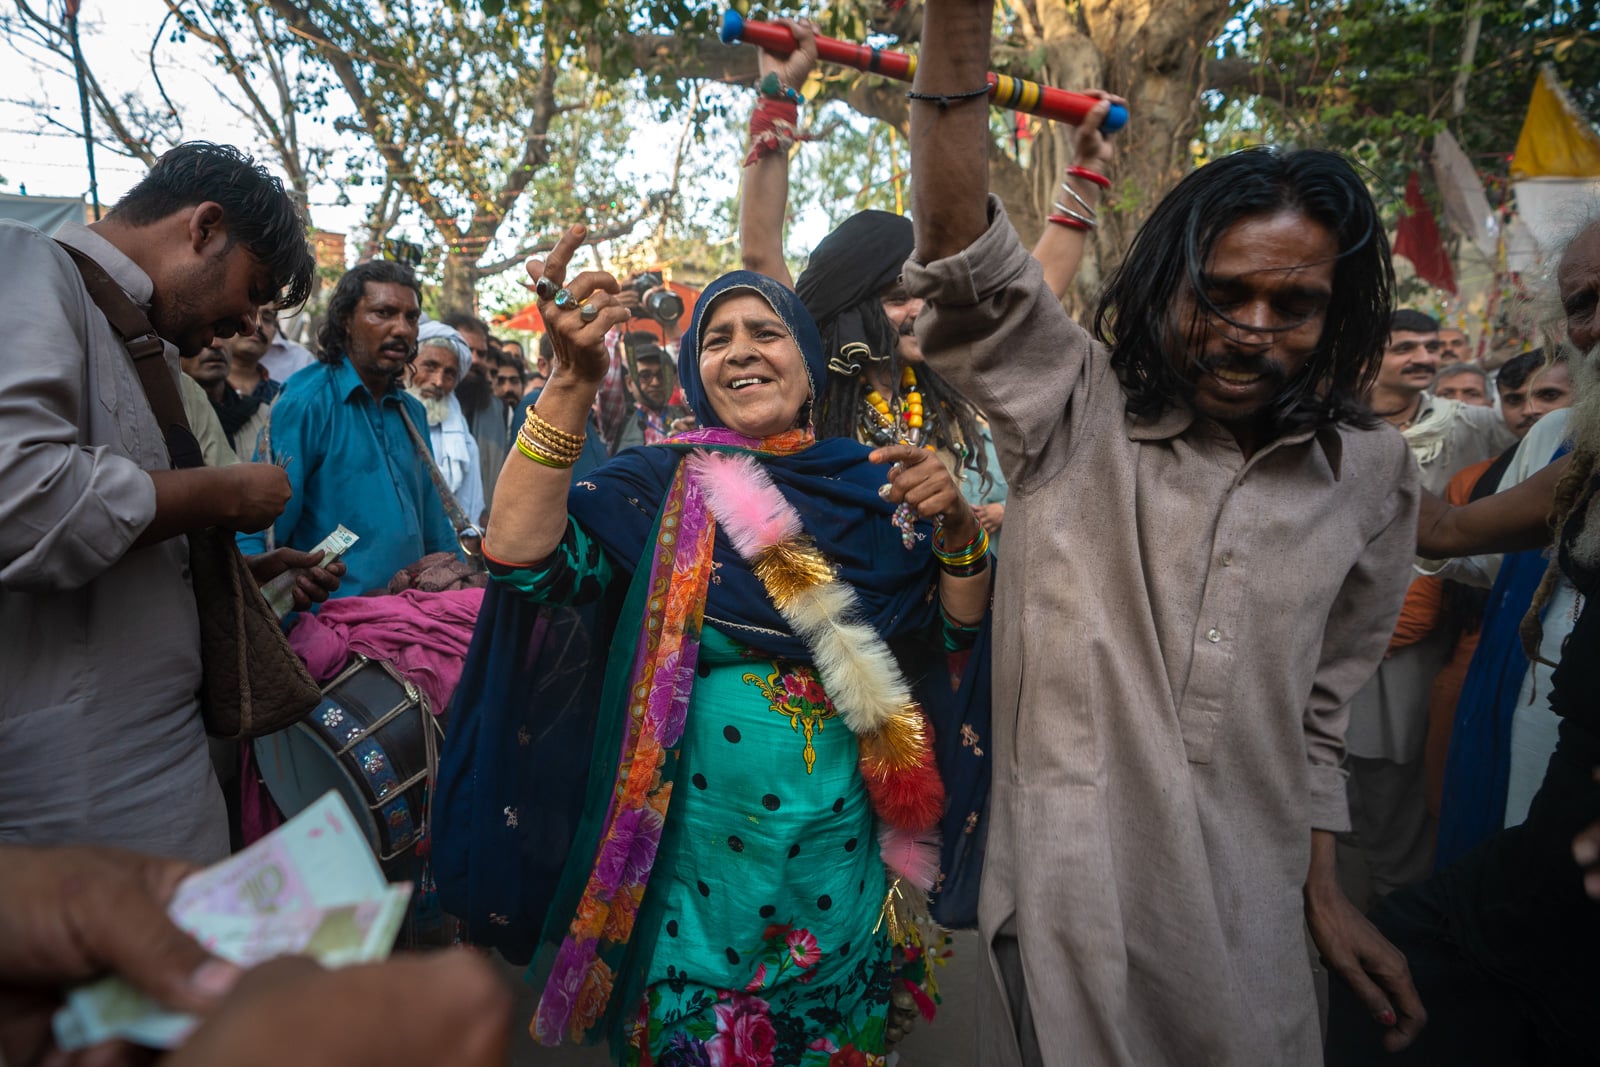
(762, 798)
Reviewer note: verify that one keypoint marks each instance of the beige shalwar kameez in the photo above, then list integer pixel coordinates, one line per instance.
(1177, 632)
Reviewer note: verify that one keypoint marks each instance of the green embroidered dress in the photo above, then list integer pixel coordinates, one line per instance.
(759, 920)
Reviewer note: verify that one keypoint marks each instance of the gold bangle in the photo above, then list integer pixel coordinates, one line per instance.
(539, 426)
(522, 446)
(559, 453)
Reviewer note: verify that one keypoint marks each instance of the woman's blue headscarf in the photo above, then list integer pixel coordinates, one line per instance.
(783, 302)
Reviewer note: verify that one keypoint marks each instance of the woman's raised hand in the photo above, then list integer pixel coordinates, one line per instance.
(577, 312)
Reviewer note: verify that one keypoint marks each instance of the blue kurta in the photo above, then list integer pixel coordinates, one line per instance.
(353, 462)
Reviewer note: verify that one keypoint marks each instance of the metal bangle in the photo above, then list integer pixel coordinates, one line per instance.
(1071, 214)
(1070, 191)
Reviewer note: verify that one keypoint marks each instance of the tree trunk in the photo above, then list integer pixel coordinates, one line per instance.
(1153, 53)
(458, 288)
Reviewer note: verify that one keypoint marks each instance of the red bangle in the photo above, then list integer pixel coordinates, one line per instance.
(1089, 176)
(1070, 223)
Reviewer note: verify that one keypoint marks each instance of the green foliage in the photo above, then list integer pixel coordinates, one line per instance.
(1376, 78)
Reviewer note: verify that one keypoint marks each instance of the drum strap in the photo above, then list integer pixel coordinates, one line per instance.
(467, 533)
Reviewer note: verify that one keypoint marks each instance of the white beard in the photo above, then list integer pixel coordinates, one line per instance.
(1584, 426)
(438, 408)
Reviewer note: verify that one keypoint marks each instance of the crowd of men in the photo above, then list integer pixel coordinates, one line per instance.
(1236, 698)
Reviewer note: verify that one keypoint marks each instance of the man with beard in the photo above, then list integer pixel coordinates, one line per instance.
(1387, 737)
(218, 416)
(1207, 540)
(651, 381)
(509, 374)
(1505, 943)
(101, 739)
(442, 360)
(485, 414)
(339, 429)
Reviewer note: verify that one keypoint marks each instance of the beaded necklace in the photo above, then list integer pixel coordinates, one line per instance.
(903, 424)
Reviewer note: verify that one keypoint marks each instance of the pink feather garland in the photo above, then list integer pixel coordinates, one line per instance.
(911, 854)
(744, 500)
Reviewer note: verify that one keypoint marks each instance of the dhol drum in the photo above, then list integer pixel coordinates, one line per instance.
(375, 739)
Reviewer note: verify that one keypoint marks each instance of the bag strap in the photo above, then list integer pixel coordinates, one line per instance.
(148, 353)
(468, 536)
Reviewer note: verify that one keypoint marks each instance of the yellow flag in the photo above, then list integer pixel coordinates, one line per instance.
(1556, 141)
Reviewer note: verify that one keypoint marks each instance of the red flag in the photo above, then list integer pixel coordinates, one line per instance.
(1417, 238)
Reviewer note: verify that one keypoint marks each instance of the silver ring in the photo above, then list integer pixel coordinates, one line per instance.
(588, 312)
(564, 299)
(544, 288)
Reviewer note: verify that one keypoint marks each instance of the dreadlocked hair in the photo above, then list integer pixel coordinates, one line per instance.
(954, 420)
(1565, 499)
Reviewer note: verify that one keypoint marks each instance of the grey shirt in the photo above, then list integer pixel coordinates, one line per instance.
(1177, 630)
(100, 732)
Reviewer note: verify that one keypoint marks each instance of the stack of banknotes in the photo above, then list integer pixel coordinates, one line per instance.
(311, 888)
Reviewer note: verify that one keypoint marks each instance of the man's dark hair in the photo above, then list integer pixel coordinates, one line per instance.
(1407, 320)
(1454, 370)
(547, 348)
(1138, 312)
(333, 336)
(501, 358)
(255, 209)
(1515, 372)
(460, 320)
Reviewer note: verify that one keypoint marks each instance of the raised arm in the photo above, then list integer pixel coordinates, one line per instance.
(764, 200)
(950, 131)
(1513, 521)
(1060, 248)
(529, 515)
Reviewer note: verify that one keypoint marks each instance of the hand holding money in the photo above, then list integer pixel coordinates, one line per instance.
(285, 591)
(306, 577)
(311, 888)
(71, 914)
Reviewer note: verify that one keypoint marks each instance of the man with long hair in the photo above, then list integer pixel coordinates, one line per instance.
(1208, 536)
(340, 429)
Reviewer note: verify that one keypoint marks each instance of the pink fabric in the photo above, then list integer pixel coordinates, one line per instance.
(423, 635)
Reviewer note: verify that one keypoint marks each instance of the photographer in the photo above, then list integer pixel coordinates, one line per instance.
(652, 382)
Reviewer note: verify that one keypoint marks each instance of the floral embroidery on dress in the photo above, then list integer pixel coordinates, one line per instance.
(765, 1023)
(794, 691)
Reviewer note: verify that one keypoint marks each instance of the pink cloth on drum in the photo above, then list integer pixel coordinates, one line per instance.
(423, 635)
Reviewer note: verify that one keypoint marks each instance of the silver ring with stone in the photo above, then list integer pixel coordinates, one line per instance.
(564, 299)
(588, 312)
(544, 288)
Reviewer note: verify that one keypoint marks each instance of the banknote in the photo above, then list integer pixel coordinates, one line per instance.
(311, 888)
(279, 591)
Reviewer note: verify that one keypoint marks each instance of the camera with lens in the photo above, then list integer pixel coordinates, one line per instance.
(656, 301)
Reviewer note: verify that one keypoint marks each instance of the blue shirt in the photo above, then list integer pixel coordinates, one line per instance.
(353, 462)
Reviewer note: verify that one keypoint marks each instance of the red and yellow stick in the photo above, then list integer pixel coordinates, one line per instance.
(1018, 94)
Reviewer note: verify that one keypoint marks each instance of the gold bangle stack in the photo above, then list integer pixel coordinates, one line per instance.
(544, 442)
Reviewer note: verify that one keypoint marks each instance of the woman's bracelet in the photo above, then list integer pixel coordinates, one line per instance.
(544, 429)
(968, 554)
(1071, 224)
(1089, 176)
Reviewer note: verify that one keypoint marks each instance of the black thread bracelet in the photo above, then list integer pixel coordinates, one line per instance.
(944, 99)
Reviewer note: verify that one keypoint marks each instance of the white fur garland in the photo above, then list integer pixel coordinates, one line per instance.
(858, 671)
